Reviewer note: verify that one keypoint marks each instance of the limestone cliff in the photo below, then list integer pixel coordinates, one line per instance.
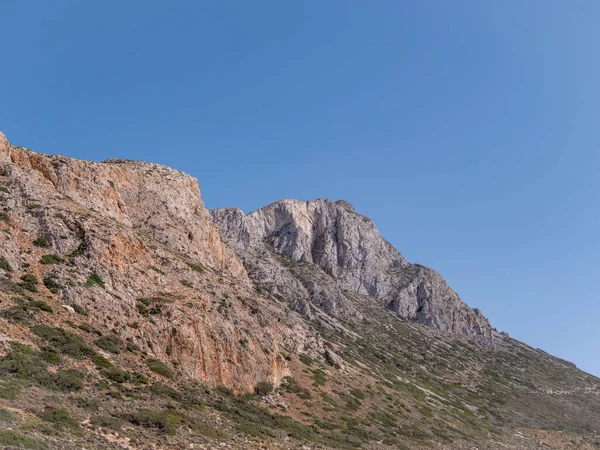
(132, 244)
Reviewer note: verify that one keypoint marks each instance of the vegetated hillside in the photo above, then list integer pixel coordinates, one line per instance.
(129, 319)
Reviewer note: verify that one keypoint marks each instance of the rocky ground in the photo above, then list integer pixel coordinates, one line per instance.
(132, 317)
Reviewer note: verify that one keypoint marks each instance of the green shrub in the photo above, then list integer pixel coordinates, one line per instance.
(51, 259)
(60, 418)
(51, 285)
(51, 355)
(79, 310)
(150, 305)
(160, 368)
(9, 390)
(358, 393)
(94, 280)
(319, 377)
(80, 251)
(263, 388)
(107, 422)
(196, 267)
(23, 362)
(17, 314)
(29, 282)
(305, 359)
(7, 416)
(225, 391)
(14, 439)
(4, 189)
(117, 375)
(139, 378)
(39, 304)
(101, 361)
(164, 421)
(88, 329)
(4, 264)
(63, 380)
(4, 217)
(91, 404)
(109, 343)
(41, 242)
(65, 341)
(163, 390)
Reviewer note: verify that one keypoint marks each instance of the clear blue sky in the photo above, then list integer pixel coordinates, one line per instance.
(468, 130)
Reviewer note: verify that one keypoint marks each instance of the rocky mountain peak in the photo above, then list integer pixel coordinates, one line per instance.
(347, 254)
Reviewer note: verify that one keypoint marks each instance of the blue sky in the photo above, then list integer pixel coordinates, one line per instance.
(467, 130)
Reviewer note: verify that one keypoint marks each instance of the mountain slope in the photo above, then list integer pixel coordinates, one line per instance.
(131, 317)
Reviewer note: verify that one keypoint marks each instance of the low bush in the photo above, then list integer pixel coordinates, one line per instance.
(150, 305)
(139, 378)
(117, 375)
(263, 388)
(51, 284)
(41, 242)
(39, 304)
(163, 390)
(165, 421)
(59, 418)
(29, 282)
(51, 259)
(51, 355)
(4, 264)
(94, 280)
(88, 329)
(109, 343)
(111, 422)
(17, 314)
(66, 342)
(9, 390)
(160, 368)
(196, 267)
(79, 310)
(63, 380)
(14, 439)
(101, 361)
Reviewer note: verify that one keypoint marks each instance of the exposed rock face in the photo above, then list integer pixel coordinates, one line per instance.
(144, 231)
(351, 255)
(157, 200)
(169, 284)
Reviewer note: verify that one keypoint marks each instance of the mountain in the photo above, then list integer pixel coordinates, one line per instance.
(344, 252)
(133, 317)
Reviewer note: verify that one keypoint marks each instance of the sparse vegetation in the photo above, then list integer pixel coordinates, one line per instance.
(109, 343)
(51, 259)
(160, 368)
(59, 418)
(29, 282)
(51, 284)
(196, 267)
(94, 280)
(150, 305)
(41, 242)
(14, 439)
(4, 264)
(165, 421)
(263, 388)
(79, 310)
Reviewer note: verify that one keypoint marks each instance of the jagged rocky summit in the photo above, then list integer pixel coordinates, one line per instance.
(341, 251)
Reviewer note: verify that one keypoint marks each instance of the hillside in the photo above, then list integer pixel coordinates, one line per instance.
(133, 317)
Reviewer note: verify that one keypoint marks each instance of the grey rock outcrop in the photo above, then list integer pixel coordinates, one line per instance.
(315, 252)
